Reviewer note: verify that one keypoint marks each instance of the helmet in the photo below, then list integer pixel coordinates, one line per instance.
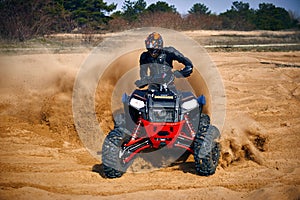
(154, 43)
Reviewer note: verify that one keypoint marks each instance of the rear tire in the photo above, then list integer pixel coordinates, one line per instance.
(206, 150)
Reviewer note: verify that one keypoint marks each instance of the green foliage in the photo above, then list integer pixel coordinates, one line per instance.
(267, 17)
(161, 6)
(199, 9)
(240, 7)
(23, 19)
(132, 9)
(88, 13)
(20, 19)
(239, 17)
(137, 12)
(270, 17)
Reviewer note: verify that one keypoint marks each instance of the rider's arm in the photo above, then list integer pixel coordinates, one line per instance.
(176, 55)
(143, 65)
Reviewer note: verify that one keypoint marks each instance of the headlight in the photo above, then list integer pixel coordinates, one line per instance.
(190, 105)
(138, 104)
(160, 113)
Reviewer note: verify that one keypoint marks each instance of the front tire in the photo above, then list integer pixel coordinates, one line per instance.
(207, 151)
(112, 163)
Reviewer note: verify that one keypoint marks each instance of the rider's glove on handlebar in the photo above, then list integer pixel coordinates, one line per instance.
(185, 72)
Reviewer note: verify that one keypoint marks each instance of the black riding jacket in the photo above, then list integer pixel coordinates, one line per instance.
(161, 62)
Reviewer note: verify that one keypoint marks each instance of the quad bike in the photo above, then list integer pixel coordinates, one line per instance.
(161, 117)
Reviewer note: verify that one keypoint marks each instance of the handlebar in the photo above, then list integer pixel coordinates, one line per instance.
(164, 78)
(159, 79)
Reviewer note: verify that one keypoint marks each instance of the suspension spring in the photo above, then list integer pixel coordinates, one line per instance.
(136, 130)
(189, 125)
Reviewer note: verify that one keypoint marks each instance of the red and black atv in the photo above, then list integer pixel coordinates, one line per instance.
(160, 117)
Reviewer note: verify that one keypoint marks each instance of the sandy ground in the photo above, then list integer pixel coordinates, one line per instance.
(42, 157)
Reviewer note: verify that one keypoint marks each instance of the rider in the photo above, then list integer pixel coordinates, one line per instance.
(159, 60)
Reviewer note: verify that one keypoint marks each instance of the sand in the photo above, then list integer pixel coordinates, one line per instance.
(42, 156)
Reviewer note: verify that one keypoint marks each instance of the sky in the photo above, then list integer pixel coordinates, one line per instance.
(219, 6)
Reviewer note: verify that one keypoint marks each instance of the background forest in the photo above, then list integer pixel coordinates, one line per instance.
(21, 20)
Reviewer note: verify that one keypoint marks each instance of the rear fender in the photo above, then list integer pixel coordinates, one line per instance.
(202, 101)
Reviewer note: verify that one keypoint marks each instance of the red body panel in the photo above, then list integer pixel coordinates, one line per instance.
(163, 133)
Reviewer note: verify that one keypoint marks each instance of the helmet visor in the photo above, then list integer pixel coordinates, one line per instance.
(154, 52)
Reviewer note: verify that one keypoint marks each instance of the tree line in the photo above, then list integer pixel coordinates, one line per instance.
(22, 19)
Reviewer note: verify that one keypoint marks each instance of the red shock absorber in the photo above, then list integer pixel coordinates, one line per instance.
(189, 125)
